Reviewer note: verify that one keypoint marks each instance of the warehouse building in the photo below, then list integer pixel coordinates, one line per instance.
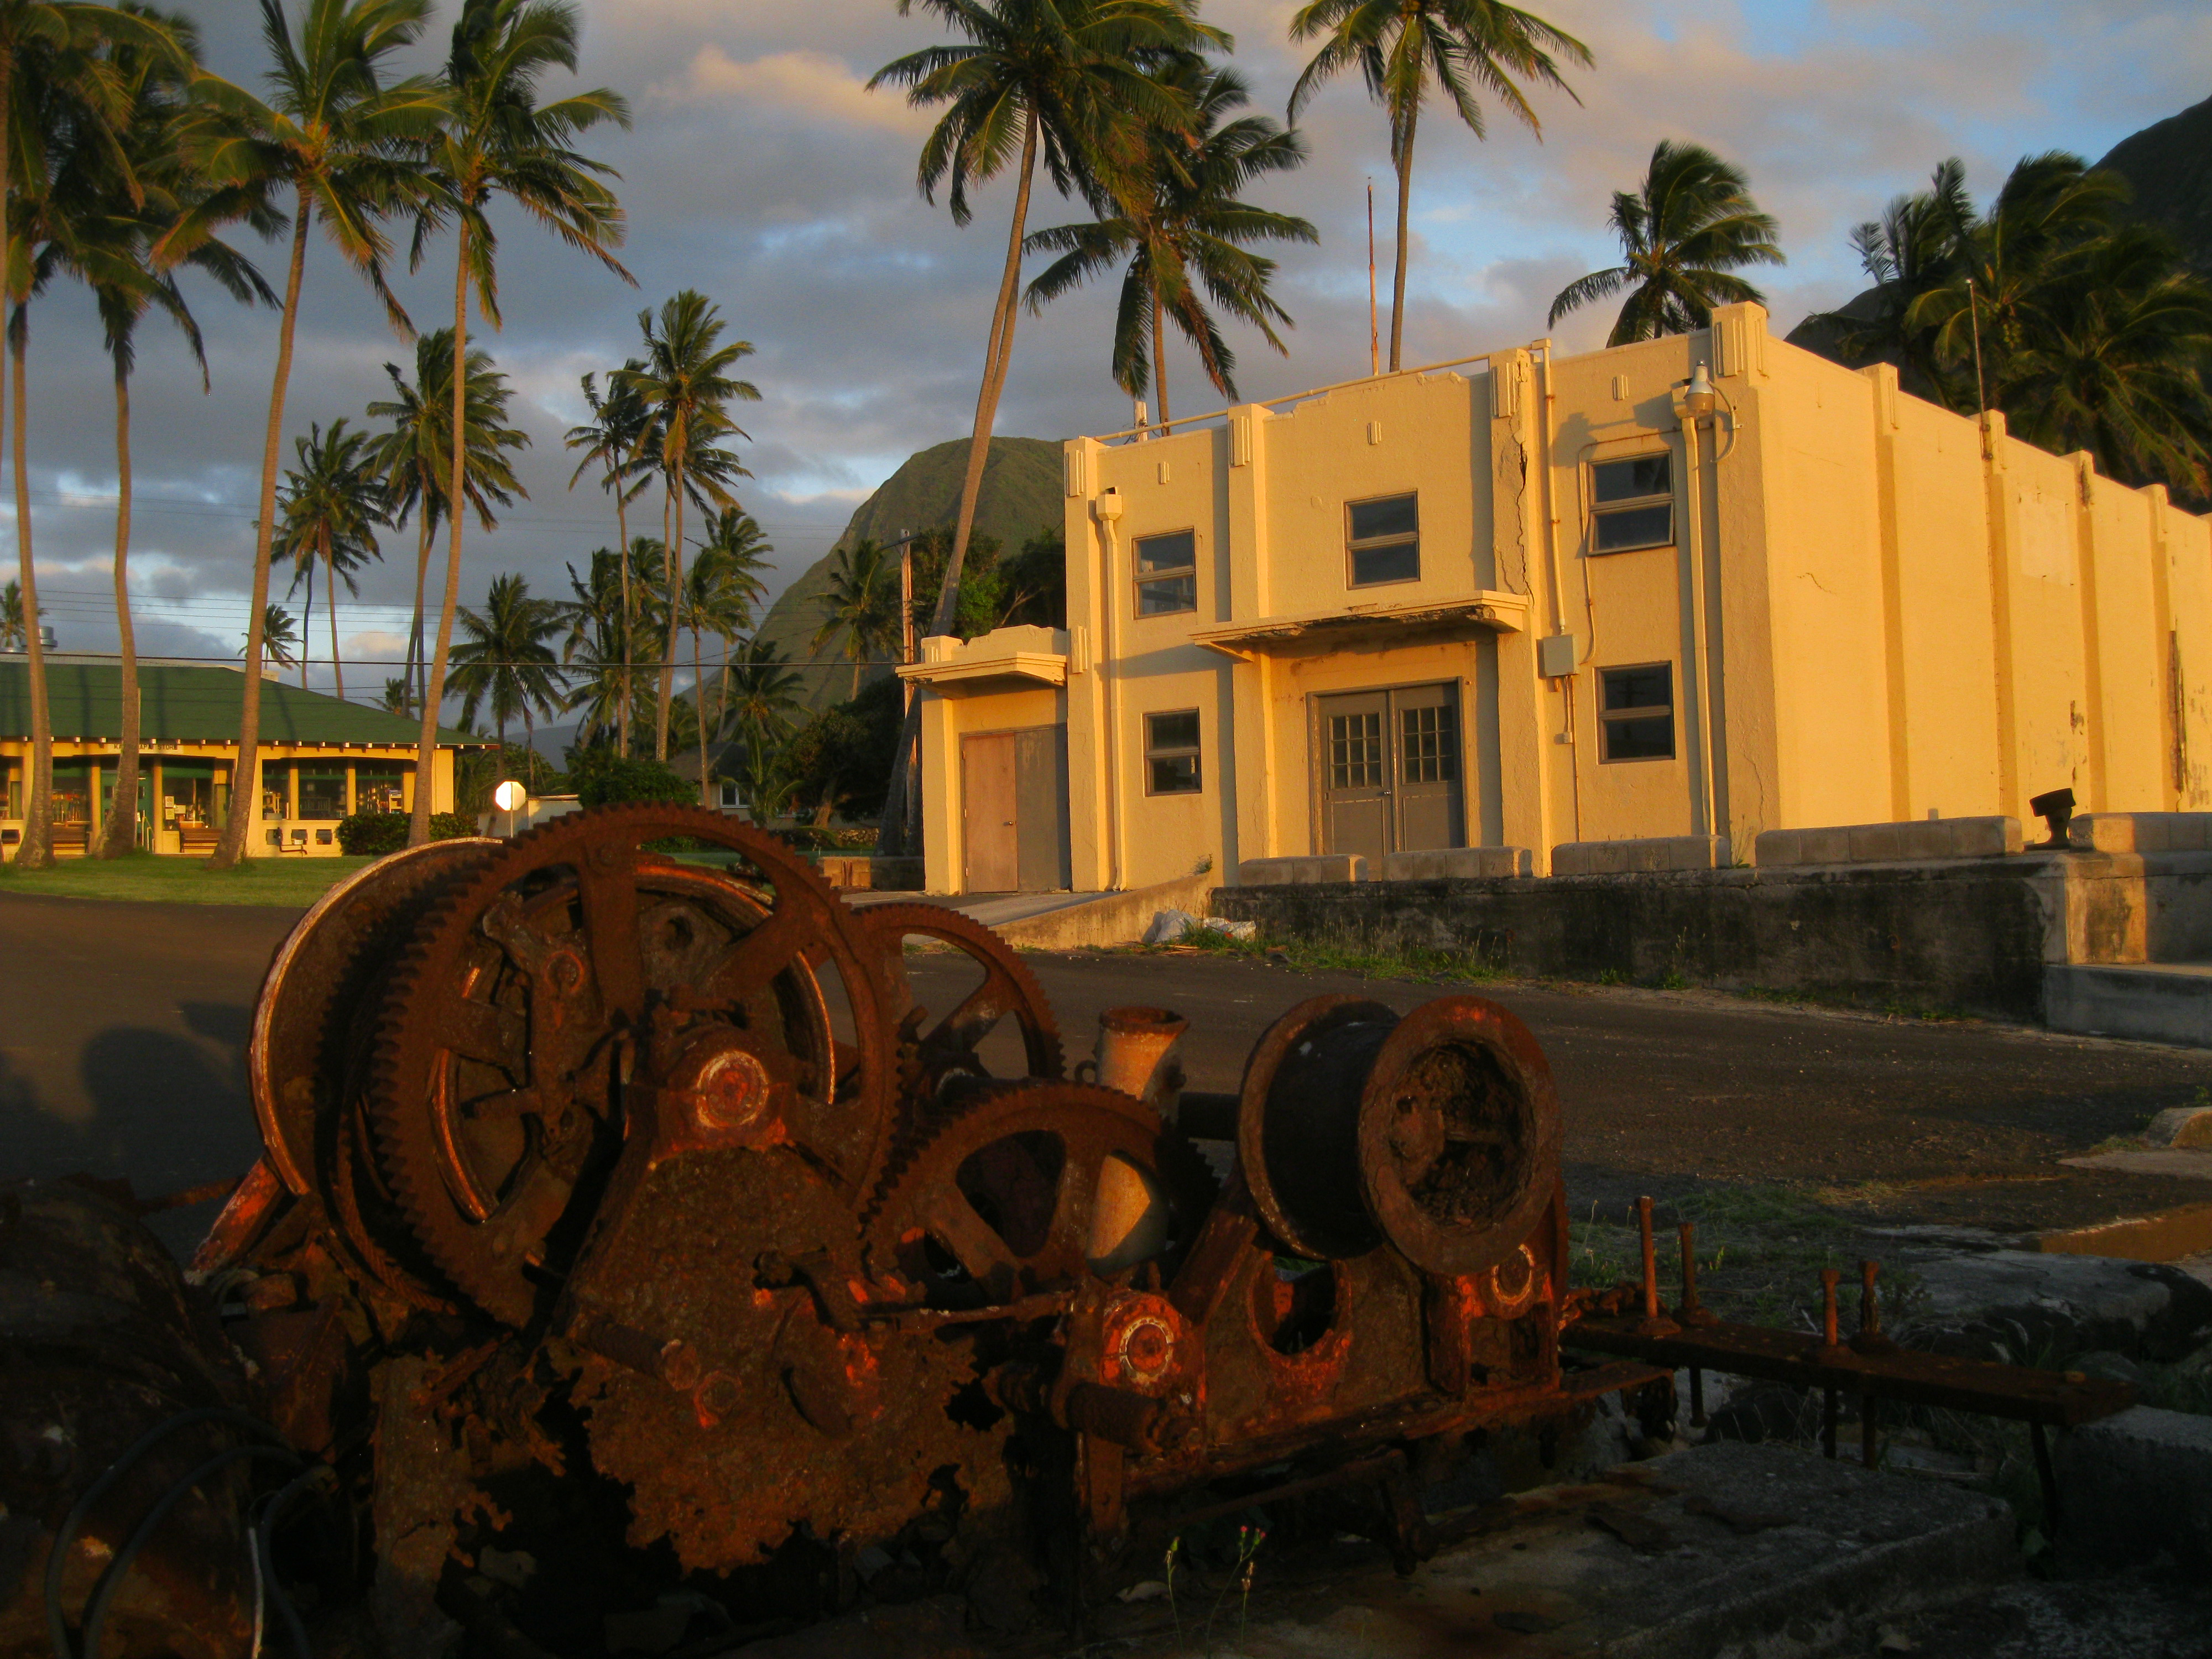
(1689, 590)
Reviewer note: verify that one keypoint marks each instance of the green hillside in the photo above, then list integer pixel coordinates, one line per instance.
(2169, 164)
(1021, 494)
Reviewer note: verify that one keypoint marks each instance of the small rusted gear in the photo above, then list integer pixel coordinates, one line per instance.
(948, 1048)
(543, 980)
(1012, 1193)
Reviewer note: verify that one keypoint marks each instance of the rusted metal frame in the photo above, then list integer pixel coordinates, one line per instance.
(2056, 1399)
(1413, 1421)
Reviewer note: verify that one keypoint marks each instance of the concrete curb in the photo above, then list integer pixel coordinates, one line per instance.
(1110, 919)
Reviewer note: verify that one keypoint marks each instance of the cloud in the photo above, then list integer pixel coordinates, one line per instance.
(810, 85)
(761, 172)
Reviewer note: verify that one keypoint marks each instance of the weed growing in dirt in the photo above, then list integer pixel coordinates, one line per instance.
(1414, 962)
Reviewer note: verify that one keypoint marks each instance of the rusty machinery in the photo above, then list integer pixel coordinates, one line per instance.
(629, 1217)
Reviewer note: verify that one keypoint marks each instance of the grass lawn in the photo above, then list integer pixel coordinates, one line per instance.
(295, 882)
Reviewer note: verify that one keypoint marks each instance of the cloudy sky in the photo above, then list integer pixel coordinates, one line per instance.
(762, 172)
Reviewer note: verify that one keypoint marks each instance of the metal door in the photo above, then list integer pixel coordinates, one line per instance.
(1041, 808)
(1387, 770)
(1354, 770)
(988, 794)
(1426, 722)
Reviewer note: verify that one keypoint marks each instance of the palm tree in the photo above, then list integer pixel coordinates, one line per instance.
(1684, 232)
(732, 558)
(764, 691)
(613, 439)
(1400, 47)
(861, 602)
(596, 650)
(2010, 263)
(498, 140)
(507, 659)
(331, 131)
(330, 509)
(59, 90)
(1063, 82)
(280, 637)
(123, 210)
(1189, 235)
(2115, 365)
(686, 386)
(14, 636)
(397, 695)
(413, 458)
(1912, 249)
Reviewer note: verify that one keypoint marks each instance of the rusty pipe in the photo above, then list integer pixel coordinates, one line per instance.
(1140, 1053)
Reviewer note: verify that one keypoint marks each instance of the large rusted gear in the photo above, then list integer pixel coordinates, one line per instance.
(1009, 990)
(575, 965)
(329, 964)
(1028, 1187)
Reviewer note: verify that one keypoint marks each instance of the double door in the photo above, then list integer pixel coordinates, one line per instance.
(1387, 771)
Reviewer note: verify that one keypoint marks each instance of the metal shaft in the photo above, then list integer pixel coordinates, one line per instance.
(1651, 1259)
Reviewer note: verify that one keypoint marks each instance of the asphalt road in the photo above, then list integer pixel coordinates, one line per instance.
(123, 1028)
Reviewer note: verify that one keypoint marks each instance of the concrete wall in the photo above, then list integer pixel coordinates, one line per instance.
(1968, 936)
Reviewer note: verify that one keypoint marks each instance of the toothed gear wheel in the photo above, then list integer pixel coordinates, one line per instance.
(313, 1025)
(948, 1048)
(546, 979)
(1025, 1187)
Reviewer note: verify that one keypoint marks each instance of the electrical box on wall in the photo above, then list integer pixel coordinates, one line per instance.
(1555, 657)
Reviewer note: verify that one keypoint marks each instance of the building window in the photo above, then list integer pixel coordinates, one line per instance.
(1633, 503)
(1383, 540)
(1429, 745)
(1171, 753)
(1167, 573)
(1637, 718)
(1355, 751)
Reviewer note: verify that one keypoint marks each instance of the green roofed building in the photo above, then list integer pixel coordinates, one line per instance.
(321, 758)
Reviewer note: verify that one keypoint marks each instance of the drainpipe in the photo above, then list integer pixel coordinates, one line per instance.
(1694, 403)
(1108, 507)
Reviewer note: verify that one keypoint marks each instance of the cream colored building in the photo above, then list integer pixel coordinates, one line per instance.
(1527, 601)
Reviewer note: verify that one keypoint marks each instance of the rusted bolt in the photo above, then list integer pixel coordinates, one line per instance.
(1147, 1349)
(679, 1365)
(731, 1090)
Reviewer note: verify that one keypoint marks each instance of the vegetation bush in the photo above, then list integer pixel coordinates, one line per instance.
(372, 835)
(841, 762)
(603, 778)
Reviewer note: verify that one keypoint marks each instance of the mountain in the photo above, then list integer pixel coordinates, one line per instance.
(2169, 165)
(1021, 494)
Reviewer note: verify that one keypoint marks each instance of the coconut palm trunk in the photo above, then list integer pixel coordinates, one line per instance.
(1404, 160)
(699, 698)
(37, 851)
(899, 801)
(418, 665)
(331, 599)
(622, 530)
(671, 573)
(426, 747)
(1160, 359)
(308, 623)
(245, 777)
(121, 834)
